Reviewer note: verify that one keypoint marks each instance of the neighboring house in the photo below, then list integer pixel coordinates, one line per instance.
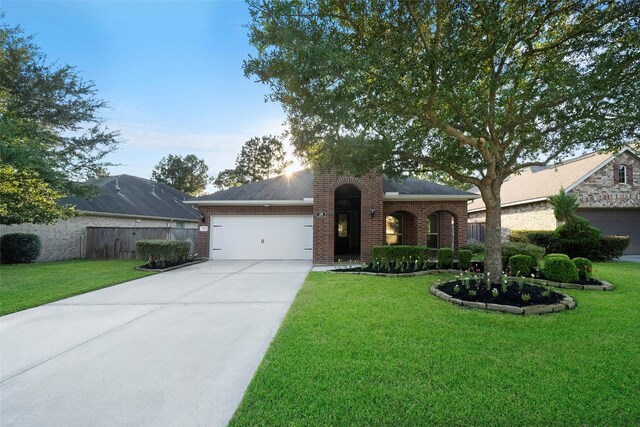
(608, 188)
(327, 217)
(124, 201)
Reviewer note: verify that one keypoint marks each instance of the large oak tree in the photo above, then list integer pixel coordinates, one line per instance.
(51, 134)
(187, 174)
(476, 89)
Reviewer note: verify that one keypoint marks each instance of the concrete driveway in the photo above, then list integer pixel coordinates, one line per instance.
(177, 348)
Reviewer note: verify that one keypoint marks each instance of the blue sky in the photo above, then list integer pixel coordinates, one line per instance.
(170, 70)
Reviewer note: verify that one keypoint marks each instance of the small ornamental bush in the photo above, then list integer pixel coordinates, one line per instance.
(560, 269)
(557, 255)
(399, 252)
(464, 259)
(611, 247)
(510, 249)
(20, 247)
(477, 249)
(159, 253)
(445, 257)
(584, 267)
(520, 265)
(544, 238)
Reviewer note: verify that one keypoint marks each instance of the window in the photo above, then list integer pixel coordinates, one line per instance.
(432, 231)
(343, 221)
(622, 174)
(393, 229)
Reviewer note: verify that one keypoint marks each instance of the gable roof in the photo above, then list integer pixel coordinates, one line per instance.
(297, 189)
(132, 196)
(538, 183)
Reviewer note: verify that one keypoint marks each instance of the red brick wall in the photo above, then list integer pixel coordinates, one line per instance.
(204, 236)
(420, 210)
(371, 229)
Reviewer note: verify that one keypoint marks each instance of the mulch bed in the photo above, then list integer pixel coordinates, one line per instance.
(513, 295)
(167, 266)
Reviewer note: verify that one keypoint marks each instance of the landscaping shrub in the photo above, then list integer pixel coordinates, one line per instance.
(510, 249)
(565, 256)
(611, 247)
(20, 247)
(578, 239)
(544, 238)
(520, 265)
(477, 249)
(464, 259)
(398, 252)
(560, 269)
(584, 267)
(162, 252)
(445, 257)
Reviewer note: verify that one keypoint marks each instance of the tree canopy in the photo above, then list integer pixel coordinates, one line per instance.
(187, 174)
(478, 90)
(260, 158)
(51, 134)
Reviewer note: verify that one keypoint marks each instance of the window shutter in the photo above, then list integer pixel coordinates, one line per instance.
(616, 173)
(630, 174)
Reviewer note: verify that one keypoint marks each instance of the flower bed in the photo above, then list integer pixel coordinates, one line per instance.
(511, 296)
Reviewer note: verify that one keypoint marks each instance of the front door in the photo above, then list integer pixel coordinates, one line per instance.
(347, 236)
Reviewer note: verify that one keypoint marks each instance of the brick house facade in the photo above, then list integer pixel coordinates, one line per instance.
(356, 206)
(611, 204)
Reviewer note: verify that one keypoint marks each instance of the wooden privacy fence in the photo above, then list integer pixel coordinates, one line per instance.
(120, 242)
(476, 232)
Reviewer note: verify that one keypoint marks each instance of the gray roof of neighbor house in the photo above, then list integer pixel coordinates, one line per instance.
(538, 183)
(298, 186)
(130, 195)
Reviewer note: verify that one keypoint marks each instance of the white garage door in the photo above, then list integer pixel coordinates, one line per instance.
(262, 237)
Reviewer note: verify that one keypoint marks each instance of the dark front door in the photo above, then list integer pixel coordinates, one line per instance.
(347, 235)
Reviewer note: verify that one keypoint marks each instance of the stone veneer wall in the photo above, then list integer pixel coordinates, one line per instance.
(600, 191)
(371, 229)
(204, 238)
(66, 239)
(529, 216)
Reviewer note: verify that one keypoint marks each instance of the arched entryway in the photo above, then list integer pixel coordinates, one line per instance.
(347, 222)
(441, 229)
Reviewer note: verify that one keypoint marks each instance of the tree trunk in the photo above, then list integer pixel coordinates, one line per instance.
(493, 227)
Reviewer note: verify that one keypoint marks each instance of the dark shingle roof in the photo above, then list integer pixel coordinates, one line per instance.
(299, 185)
(130, 195)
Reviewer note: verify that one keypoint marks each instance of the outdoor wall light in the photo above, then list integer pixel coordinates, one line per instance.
(372, 211)
(203, 219)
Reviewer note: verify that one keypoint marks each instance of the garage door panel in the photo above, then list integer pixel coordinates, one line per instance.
(262, 237)
(622, 222)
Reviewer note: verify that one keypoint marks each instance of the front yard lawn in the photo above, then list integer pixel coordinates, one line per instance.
(24, 286)
(362, 350)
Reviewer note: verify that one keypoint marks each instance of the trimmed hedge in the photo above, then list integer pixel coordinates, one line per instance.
(520, 265)
(475, 248)
(560, 269)
(611, 247)
(584, 267)
(162, 252)
(544, 238)
(445, 257)
(20, 247)
(510, 249)
(464, 259)
(398, 252)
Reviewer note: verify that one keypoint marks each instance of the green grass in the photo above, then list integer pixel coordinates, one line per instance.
(24, 286)
(361, 350)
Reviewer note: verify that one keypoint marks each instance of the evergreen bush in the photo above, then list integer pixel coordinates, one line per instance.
(510, 249)
(560, 269)
(162, 252)
(445, 257)
(399, 252)
(20, 247)
(520, 265)
(584, 267)
(464, 259)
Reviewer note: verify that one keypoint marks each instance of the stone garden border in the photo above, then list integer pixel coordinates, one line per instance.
(175, 267)
(606, 286)
(567, 303)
